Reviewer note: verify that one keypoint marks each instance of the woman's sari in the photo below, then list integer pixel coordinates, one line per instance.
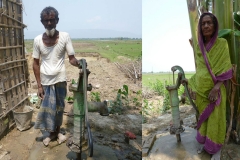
(213, 65)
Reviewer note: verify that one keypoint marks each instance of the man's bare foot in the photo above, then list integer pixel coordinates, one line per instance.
(47, 140)
(61, 138)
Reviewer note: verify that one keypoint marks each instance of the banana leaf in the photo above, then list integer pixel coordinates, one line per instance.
(223, 33)
(237, 33)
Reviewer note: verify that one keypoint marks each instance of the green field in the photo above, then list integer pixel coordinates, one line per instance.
(111, 49)
(152, 77)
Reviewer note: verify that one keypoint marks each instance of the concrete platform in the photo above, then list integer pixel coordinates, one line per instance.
(166, 147)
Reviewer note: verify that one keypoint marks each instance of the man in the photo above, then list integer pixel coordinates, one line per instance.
(51, 47)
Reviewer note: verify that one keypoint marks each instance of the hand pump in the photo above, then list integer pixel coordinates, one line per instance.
(176, 127)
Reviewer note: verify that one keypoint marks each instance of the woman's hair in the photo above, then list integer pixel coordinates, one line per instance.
(48, 10)
(214, 20)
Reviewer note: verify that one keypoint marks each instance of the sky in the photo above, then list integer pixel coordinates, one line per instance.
(163, 25)
(116, 15)
(165, 36)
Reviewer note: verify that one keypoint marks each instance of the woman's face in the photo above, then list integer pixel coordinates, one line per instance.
(207, 26)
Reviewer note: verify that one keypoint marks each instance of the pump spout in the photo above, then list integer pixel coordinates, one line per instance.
(101, 107)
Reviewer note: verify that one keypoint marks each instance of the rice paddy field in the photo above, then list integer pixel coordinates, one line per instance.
(114, 50)
(166, 76)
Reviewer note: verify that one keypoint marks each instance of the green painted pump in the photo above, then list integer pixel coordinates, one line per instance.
(177, 127)
(82, 135)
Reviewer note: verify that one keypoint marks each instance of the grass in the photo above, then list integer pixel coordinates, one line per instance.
(168, 76)
(130, 49)
(157, 82)
(111, 49)
(29, 45)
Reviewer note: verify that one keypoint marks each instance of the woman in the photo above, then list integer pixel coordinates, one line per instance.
(208, 85)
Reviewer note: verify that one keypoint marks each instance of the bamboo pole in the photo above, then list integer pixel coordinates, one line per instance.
(233, 93)
(193, 19)
(218, 11)
(228, 24)
(236, 6)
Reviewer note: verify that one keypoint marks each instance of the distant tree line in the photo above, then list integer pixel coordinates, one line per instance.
(116, 38)
(110, 38)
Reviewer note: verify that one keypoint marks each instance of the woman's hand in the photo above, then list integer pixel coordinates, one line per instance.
(184, 81)
(213, 95)
(191, 93)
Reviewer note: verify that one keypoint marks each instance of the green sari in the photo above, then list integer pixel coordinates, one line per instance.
(215, 67)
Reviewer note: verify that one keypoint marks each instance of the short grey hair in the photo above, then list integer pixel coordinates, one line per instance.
(48, 10)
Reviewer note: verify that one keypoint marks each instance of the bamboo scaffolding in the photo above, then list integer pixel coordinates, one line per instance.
(13, 19)
(10, 26)
(10, 47)
(13, 64)
(3, 64)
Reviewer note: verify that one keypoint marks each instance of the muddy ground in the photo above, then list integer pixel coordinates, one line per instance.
(108, 131)
(159, 123)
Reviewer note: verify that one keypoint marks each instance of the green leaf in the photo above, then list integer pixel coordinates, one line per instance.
(224, 33)
(119, 91)
(69, 98)
(124, 93)
(237, 33)
(73, 81)
(126, 88)
(139, 92)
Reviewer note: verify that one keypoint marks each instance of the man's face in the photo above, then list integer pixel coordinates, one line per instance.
(49, 21)
(207, 26)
